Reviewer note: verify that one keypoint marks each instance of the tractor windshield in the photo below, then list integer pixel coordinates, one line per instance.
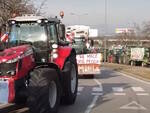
(27, 33)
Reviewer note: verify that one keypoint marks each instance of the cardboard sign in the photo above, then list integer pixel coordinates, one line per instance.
(89, 58)
(137, 53)
(89, 63)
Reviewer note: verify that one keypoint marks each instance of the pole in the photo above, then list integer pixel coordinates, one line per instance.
(105, 17)
(79, 16)
(105, 46)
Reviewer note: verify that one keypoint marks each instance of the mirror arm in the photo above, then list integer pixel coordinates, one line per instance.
(63, 43)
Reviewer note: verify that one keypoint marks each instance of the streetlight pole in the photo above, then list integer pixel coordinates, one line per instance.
(105, 46)
(105, 17)
(79, 16)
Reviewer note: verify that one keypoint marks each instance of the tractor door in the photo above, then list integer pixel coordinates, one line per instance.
(61, 33)
(49, 52)
(52, 41)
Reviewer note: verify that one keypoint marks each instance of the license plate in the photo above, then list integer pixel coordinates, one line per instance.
(4, 90)
(3, 85)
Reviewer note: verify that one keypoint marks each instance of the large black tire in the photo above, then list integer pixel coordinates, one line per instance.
(44, 91)
(70, 84)
(21, 98)
(21, 90)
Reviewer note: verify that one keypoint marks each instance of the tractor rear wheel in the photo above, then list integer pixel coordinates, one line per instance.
(44, 91)
(70, 81)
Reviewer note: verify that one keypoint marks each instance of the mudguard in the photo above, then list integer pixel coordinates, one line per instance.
(63, 54)
(7, 90)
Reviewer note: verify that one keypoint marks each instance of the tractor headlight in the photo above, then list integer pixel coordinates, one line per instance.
(54, 50)
(13, 22)
(39, 21)
(46, 21)
(55, 55)
(54, 46)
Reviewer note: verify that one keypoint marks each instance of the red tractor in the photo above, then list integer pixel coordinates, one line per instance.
(37, 66)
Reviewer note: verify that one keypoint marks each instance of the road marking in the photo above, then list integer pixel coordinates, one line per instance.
(120, 94)
(6, 105)
(137, 89)
(78, 93)
(117, 89)
(137, 79)
(97, 89)
(97, 94)
(1, 105)
(90, 107)
(80, 88)
(142, 94)
(134, 106)
(99, 84)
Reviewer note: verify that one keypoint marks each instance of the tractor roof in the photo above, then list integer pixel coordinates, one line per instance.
(32, 17)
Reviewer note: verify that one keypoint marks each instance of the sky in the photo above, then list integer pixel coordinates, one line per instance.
(120, 13)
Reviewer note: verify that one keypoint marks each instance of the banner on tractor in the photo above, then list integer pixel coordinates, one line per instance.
(89, 63)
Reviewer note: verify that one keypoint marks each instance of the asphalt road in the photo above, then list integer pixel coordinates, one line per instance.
(108, 92)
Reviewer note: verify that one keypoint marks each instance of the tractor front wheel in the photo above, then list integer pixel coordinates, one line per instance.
(44, 91)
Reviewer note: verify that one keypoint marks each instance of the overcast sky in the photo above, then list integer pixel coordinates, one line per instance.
(120, 13)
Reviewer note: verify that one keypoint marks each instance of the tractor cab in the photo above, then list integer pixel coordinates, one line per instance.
(40, 33)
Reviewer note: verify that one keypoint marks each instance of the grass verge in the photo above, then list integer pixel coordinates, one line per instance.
(136, 71)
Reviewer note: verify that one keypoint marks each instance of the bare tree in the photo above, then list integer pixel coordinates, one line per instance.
(38, 10)
(10, 7)
(146, 29)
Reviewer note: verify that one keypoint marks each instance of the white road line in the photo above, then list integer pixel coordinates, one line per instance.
(90, 107)
(5, 105)
(1, 105)
(133, 106)
(97, 89)
(117, 89)
(142, 94)
(137, 89)
(78, 93)
(137, 79)
(80, 88)
(120, 94)
(99, 84)
(97, 94)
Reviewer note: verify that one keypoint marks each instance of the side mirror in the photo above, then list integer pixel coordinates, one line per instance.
(62, 31)
(63, 43)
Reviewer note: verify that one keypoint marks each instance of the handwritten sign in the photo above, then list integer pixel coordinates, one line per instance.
(89, 63)
(89, 58)
(137, 53)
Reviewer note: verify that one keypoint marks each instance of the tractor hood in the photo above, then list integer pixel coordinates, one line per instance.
(15, 53)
